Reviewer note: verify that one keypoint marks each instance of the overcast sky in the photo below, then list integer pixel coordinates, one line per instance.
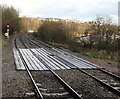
(84, 10)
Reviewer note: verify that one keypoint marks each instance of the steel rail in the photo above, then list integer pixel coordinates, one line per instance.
(37, 91)
(107, 72)
(40, 47)
(101, 69)
(68, 88)
(112, 89)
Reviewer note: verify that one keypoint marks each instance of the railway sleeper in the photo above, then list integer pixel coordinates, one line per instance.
(39, 85)
(118, 88)
(51, 94)
(61, 90)
(55, 94)
(115, 84)
(30, 94)
(63, 95)
(103, 80)
(43, 89)
(111, 82)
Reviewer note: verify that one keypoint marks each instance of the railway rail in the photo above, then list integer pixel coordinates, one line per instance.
(38, 93)
(112, 84)
(52, 54)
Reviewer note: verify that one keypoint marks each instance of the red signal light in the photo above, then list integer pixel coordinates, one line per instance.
(7, 25)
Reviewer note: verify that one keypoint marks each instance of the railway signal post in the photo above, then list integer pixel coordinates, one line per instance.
(7, 31)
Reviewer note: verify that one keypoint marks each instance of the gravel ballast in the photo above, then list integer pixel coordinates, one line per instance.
(85, 85)
(17, 83)
(14, 83)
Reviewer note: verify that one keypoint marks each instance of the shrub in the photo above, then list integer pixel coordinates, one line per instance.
(51, 31)
(75, 47)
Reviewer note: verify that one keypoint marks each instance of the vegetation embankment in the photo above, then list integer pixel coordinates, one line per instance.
(100, 38)
(4, 43)
(10, 23)
(10, 16)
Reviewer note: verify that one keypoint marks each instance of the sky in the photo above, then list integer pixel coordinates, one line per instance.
(84, 10)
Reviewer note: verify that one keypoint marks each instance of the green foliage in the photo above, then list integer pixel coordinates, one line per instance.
(10, 16)
(51, 31)
(3, 43)
(75, 47)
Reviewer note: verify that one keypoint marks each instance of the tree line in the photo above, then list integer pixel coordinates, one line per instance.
(10, 16)
(102, 36)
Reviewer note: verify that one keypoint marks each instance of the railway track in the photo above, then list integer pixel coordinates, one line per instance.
(107, 79)
(71, 93)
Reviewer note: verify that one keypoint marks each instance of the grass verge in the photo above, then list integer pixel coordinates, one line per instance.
(4, 43)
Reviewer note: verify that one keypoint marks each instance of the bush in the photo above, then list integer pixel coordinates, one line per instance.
(58, 32)
(75, 47)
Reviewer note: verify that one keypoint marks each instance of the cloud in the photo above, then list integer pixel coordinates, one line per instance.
(86, 9)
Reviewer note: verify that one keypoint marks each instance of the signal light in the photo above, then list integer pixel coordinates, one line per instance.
(7, 25)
